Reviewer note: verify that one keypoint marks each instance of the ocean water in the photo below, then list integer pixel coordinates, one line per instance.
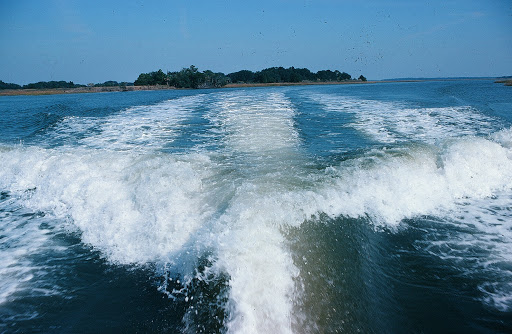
(383, 208)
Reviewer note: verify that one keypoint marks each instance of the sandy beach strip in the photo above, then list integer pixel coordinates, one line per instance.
(79, 90)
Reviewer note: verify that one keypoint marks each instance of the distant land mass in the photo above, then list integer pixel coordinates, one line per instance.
(441, 78)
(60, 84)
(507, 80)
(192, 78)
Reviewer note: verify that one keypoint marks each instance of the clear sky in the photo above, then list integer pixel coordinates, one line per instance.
(94, 41)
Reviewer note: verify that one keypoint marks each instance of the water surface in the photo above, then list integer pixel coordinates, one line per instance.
(383, 208)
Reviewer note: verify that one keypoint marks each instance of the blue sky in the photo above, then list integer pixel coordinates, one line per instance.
(95, 41)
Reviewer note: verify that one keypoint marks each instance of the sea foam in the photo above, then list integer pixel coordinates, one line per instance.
(392, 122)
(144, 206)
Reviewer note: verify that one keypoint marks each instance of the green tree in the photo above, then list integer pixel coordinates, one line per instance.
(268, 75)
(151, 79)
(51, 85)
(305, 74)
(4, 85)
(213, 80)
(191, 77)
(159, 78)
(326, 75)
(187, 78)
(342, 76)
(245, 76)
(109, 83)
(144, 79)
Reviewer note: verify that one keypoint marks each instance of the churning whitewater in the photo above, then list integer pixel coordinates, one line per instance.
(281, 210)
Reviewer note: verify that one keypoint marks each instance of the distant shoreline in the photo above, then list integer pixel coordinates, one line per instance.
(80, 90)
(506, 82)
(304, 83)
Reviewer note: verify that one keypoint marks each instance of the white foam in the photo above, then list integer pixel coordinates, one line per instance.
(139, 128)
(261, 270)
(142, 206)
(22, 235)
(406, 183)
(391, 122)
(133, 208)
(504, 137)
(259, 134)
(468, 183)
(256, 123)
(482, 244)
(386, 186)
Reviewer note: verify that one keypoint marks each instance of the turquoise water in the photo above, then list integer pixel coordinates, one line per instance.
(383, 208)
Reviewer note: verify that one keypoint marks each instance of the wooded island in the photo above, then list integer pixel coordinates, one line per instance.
(190, 77)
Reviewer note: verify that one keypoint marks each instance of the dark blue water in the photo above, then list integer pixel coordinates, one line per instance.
(383, 208)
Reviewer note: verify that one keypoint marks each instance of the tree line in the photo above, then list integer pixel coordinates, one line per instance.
(40, 85)
(291, 74)
(186, 78)
(111, 83)
(61, 84)
(192, 78)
